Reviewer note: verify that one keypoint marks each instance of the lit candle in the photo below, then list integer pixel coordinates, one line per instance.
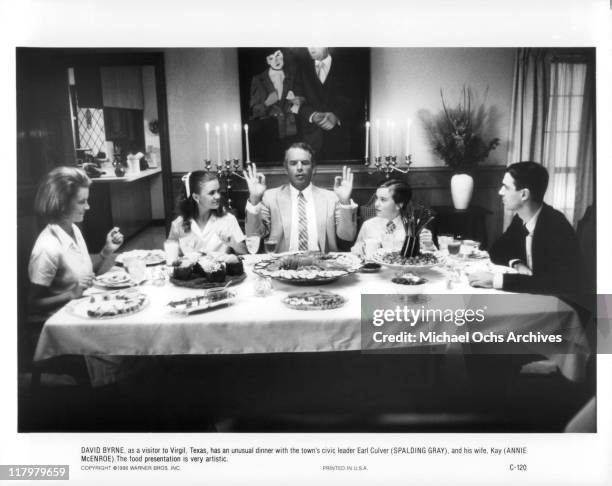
(408, 124)
(226, 142)
(207, 128)
(235, 141)
(377, 140)
(392, 144)
(218, 133)
(367, 151)
(246, 141)
(388, 137)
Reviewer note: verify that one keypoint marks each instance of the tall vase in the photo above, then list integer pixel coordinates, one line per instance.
(462, 187)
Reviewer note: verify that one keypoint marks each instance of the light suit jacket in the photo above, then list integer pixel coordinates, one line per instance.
(273, 218)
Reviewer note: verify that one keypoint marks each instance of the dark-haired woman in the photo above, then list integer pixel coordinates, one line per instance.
(391, 202)
(61, 267)
(204, 224)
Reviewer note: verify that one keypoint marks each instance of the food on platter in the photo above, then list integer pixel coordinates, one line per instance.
(110, 304)
(206, 271)
(394, 259)
(309, 267)
(202, 302)
(408, 278)
(114, 280)
(150, 257)
(314, 300)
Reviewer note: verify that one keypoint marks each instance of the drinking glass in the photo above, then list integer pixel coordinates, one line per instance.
(137, 269)
(443, 241)
(252, 243)
(453, 247)
(270, 245)
(171, 249)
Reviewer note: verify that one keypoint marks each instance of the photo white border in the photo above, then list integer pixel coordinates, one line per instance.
(554, 458)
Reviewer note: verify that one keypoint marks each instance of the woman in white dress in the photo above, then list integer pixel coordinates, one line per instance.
(61, 267)
(386, 228)
(204, 224)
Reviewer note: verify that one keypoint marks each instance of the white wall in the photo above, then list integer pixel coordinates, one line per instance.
(152, 140)
(407, 80)
(202, 86)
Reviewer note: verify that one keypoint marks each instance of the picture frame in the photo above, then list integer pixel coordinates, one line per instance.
(275, 122)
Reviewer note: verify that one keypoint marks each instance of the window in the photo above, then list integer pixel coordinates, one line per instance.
(563, 133)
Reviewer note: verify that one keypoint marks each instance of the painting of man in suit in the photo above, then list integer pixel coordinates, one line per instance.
(316, 95)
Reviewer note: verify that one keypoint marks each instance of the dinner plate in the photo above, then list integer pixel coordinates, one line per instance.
(109, 305)
(202, 302)
(150, 257)
(114, 280)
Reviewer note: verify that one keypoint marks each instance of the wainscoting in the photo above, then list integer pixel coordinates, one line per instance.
(430, 186)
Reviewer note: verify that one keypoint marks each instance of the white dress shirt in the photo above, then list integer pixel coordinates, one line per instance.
(313, 236)
(322, 68)
(277, 77)
(206, 239)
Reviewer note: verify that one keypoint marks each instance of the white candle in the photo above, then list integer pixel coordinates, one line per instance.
(226, 142)
(218, 133)
(408, 124)
(377, 140)
(392, 144)
(367, 151)
(246, 141)
(207, 128)
(388, 137)
(235, 141)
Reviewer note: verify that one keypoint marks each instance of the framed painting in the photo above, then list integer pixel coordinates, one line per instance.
(316, 95)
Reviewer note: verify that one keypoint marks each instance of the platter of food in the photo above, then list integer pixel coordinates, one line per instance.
(408, 278)
(393, 259)
(202, 302)
(150, 257)
(114, 280)
(110, 305)
(309, 268)
(314, 300)
(208, 271)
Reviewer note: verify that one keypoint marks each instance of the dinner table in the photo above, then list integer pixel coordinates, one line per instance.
(264, 325)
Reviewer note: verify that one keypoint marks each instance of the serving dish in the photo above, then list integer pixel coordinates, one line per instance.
(109, 305)
(202, 302)
(393, 259)
(308, 268)
(314, 300)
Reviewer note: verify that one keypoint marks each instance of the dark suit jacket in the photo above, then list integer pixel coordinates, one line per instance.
(261, 87)
(557, 261)
(335, 95)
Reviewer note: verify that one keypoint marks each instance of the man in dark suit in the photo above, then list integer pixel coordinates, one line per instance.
(539, 244)
(325, 116)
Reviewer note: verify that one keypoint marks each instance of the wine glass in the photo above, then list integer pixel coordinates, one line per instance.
(252, 243)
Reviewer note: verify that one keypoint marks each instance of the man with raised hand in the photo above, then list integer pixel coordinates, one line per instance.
(299, 215)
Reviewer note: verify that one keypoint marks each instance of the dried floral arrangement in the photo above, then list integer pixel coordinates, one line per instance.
(415, 219)
(456, 132)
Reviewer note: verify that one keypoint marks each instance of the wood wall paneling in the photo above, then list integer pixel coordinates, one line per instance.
(122, 87)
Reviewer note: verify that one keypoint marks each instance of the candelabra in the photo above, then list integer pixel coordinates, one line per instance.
(388, 164)
(225, 171)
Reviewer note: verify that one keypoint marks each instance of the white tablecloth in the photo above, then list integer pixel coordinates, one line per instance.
(265, 325)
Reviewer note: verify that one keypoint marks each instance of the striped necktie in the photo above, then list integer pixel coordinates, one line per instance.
(390, 228)
(302, 223)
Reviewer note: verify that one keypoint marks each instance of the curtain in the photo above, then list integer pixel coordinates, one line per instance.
(529, 109)
(553, 122)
